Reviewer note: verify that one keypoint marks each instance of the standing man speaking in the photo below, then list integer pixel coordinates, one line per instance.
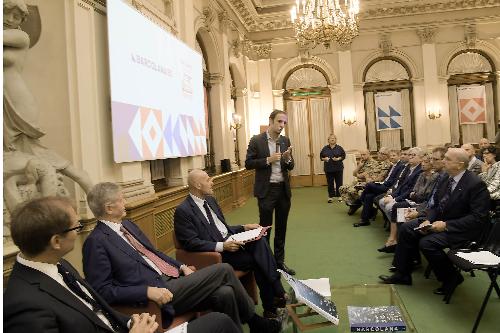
(270, 154)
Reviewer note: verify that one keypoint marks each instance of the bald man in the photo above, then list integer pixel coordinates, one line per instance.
(200, 226)
(475, 165)
(459, 211)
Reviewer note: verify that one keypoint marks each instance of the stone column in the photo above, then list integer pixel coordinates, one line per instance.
(435, 91)
(244, 131)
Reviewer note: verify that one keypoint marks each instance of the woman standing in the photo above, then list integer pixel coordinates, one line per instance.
(332, 155)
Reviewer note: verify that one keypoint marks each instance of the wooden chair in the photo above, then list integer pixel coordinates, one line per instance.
(153, 309)
(204, 259)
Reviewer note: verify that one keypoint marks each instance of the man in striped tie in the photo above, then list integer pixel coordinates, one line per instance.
(122, 265)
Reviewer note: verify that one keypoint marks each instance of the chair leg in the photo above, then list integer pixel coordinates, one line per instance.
(483, 306)
(428, 271)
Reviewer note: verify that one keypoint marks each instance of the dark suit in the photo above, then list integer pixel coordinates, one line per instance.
(34, 302)
(121, 275)
(195, 233)
(372, 190)
(465, 213)
(406, 186)
(271, 197)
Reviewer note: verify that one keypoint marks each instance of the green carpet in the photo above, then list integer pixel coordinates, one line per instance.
(321, 242)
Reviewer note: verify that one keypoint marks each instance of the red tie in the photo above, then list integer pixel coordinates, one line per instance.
(164, 266)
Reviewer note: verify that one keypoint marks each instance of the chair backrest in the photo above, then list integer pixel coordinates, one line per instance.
(176, 242)
(492, 243)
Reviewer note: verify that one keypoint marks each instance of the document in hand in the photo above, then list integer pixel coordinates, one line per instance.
(249, 235)
(312, 298)
(401, 212)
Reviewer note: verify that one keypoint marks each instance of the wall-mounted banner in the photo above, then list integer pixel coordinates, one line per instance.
(472, 104)
(388, 110)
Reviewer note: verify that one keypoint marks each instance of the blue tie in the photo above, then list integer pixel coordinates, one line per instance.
(446, 196)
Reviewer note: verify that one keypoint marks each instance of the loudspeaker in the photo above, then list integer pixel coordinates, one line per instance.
(225, 165)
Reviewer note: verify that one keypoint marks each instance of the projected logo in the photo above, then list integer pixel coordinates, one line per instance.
(147, 134)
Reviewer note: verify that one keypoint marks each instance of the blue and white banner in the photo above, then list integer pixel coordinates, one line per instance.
(388, 110)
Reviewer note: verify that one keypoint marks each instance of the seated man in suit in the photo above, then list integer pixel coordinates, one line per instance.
(373, 189)
(461, 207)
(46, 294)
(402, 192)
(200, 226)
(123, 266)
(475, 164)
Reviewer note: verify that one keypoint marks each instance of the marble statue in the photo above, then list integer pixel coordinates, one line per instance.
(30, 169)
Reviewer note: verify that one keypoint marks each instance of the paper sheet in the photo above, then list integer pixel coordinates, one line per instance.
(480, 257)
(321, 285)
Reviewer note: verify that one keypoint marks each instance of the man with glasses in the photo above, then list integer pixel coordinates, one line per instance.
(461, 207)
(38, 297)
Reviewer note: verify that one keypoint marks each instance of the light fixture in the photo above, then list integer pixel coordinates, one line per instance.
(236, 124)
(434, 113)
(323, 21)
(349, 118)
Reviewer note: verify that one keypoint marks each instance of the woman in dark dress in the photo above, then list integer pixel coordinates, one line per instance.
(332, 155)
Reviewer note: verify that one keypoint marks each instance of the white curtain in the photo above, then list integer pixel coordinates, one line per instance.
(370, 121)
(297, 131)
(390, 139)
(405, 107)
(454, 126)
(490, 112)
(321, 125)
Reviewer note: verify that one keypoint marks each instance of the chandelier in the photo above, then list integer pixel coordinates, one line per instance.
(323, 21)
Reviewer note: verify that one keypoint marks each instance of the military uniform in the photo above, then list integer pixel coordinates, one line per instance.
(351, 193)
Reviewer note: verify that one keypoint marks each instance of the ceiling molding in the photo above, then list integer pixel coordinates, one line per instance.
(255, 20)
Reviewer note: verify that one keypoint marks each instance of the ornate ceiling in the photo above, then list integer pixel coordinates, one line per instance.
(271, 15)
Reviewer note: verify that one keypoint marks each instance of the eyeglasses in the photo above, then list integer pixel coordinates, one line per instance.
(78, 228)
(436, 159)
(412, 155)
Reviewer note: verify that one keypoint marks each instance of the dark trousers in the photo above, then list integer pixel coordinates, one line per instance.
(214, 287)
(213, 322)
(276, 200)
(257, 256)
(431, 245)
(334, 181)
(368, 197)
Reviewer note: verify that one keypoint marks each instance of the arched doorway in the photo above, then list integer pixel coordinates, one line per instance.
(471, 97)
(387, 80)
(308, 104)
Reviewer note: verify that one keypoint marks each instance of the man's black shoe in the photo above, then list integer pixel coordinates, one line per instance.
(392, 269)
(449, 287)
(270, 314)
(353, 209)
(280, 302)
(438, 291)
(361, 224)
(286, 269)
(396, 279)
(388, 249)
(258, 324)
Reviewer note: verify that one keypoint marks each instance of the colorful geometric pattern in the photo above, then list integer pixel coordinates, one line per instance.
(388, 106)
(141, 133)
(472, 104)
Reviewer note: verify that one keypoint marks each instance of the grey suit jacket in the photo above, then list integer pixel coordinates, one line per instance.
(475, 166)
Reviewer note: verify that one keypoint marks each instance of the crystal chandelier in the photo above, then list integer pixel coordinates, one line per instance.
(323, 21)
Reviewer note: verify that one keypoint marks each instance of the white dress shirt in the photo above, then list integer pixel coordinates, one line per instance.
(219, 247)
(116, 228)
(51, 271)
